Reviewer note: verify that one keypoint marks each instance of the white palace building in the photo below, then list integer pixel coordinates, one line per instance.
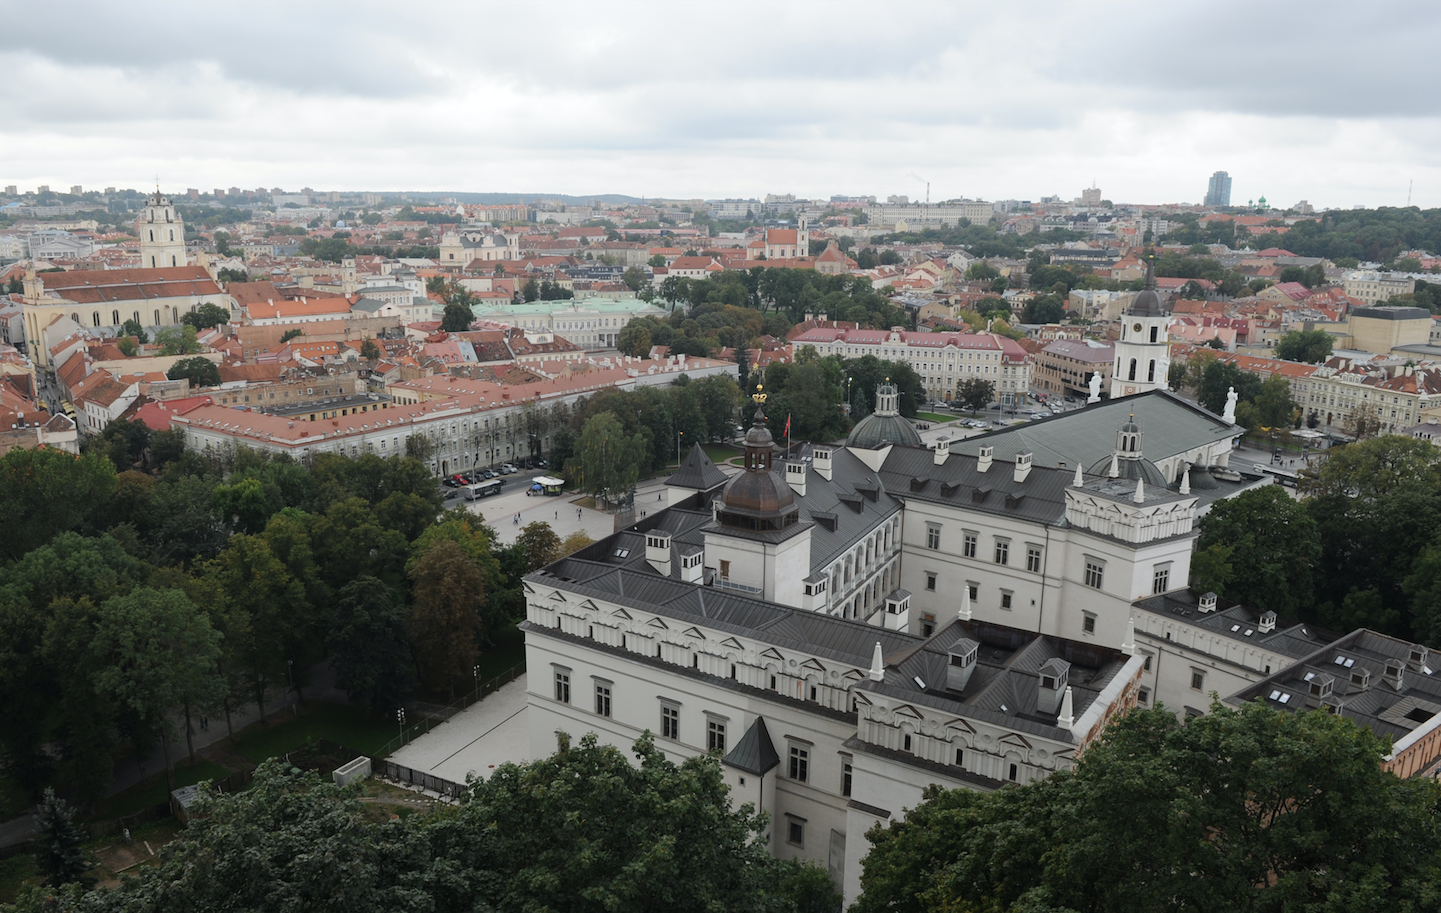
(847, 624)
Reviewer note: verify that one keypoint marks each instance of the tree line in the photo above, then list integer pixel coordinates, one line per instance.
(585, 830)
(142, 582)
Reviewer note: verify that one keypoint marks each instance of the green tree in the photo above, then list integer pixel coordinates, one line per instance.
(127, 346)
(456, 318)
(123, 441)
(1219, 379)
(975, 393)
(132, 327)
(291, 334)
(369, 350)
(530, 291)
(607, 461)
(575, 542)
(634, 278)
(541, 544)
(177, 340)
(155, 651)
(1299, 815)
(1271, 408)
(228, 276)
(48, 491)
(1370, 469)
(656, 261)
(206, 316)
(58, 840)
(200, 371)
(419, 447)
(634, 339)
(444, 617)
(370, 650)
(1310, 346)
(1047, 308)
(1274, 546)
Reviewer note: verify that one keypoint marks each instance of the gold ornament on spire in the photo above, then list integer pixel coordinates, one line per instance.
(759, 396)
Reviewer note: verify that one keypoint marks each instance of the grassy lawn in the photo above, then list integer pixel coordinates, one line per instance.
(349, 726)
(934, 417)
(152, 791)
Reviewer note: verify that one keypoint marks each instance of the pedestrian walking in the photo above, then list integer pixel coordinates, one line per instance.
(557, 515)
(577, 513)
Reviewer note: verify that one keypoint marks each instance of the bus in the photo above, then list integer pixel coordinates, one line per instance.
(484, 489)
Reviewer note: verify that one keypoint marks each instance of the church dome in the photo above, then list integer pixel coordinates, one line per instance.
(1147, 302)
(1130, 469)
(758, 499)
(885, 425)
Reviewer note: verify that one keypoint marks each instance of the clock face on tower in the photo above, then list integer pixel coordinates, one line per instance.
(1136, 328)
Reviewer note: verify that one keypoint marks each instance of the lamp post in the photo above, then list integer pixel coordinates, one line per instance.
(400, 718)
(290, 675)
(476, 670)
(678, 435)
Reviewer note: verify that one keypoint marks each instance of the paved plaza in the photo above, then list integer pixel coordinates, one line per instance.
(476, 740)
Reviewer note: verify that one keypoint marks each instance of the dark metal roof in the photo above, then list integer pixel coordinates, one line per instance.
(876, 431)
(959, 482)
(755, 753)
(697, 472)
(1237, 622)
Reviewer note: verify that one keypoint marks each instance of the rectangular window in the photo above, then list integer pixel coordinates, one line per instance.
(602, 698)
(975, 590)
(1003, 551)
(1005, 599)
(846, 775)
(930, 581)
(562, 686)
(1095, 573)
(1161, 579)
(1033, 559)
(1143, 696)
(800, 764)
(715, 735)
(1089, 624)
(670, 722)
(1148, 663)
(969, 545)
(796, 832)
(725, 570)
(933, 536)
(1198, 679)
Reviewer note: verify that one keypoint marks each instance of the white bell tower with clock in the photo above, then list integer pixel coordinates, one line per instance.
(1143, 351)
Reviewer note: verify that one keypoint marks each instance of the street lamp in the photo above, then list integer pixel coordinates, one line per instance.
(678, 435)
(476, 670)
(400, 718)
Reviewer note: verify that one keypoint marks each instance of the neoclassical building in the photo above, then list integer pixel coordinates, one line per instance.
(1143, 351)
(847, 624)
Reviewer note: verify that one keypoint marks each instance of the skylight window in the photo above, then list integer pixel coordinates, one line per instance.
(1235, 628)
(1280, 697)
(622, 553)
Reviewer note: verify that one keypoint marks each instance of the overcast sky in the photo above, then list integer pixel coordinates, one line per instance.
(1330, 102)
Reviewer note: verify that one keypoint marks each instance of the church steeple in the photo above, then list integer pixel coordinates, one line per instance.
(1143, 351)
(162, 234)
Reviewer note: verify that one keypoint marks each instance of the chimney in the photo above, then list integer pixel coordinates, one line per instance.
(898, 610)
(1207, 603)
(1051, 685)
(878, 665)
(691, 570)
(943, 450)
(1023, 467)
(657, 551)
(1419, 659)
(1395, 674)
(1268, 622)
(983, 458)
(821, 462)
(796, 477)
(963, 663)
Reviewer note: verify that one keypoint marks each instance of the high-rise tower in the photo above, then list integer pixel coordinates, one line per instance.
(1218, 190)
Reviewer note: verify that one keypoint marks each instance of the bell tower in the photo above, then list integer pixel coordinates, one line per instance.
(1143, 351)
(162, 234)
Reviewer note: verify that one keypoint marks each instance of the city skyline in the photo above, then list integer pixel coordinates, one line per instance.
(978, 103)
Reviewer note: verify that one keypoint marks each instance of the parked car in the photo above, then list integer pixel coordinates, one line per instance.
(453, 481)
(508, 468)
(541, 464)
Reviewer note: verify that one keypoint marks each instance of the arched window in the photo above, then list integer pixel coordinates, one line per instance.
(172, 260)
(135, 316)
(152, 234)
(152, 261)
(1154, 331)
(115, 318)
(95, 317)
(172, 237)
(1133, 369)
(75, 317)
(1151, 371)
(157, 316)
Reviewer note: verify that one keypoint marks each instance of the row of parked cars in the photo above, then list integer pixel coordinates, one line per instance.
(481, 475)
